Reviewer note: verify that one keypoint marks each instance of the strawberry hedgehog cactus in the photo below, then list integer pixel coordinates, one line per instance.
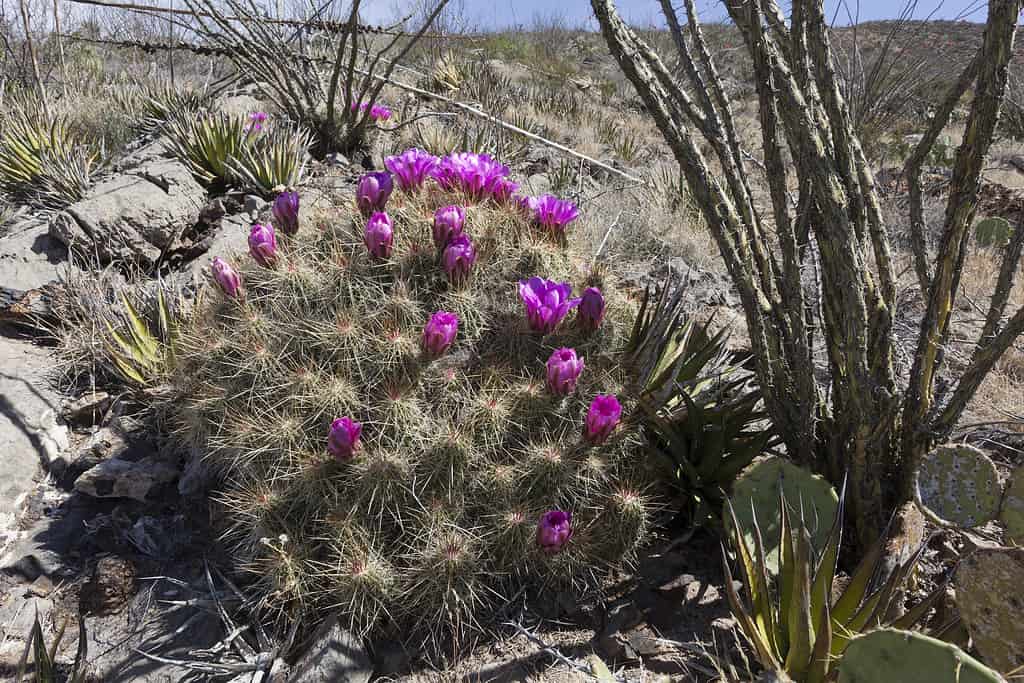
(417, 404)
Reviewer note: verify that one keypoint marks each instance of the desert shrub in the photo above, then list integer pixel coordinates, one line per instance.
(224, 151)
(433, 520)
(43, 161)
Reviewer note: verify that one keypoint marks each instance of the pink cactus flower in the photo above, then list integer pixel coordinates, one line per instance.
(563, 371)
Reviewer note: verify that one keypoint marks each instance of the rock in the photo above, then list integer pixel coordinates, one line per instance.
(87, 409)
(133, 217)
(173, 632)
(255, 205)
(18, 614)
(107, 443)
(110, 587)
(197, 477)
(30, 257)
(335, 656)
(390, 657)
(537, 184)
(51, 546)
(231, 239)
(117, 478)
(144, 154)
(29, 433)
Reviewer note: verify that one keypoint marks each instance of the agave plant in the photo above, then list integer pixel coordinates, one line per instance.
(41, 161)
(142, 355)
(707, 440)
(274, 159)
(44, 669)
(153, 104)
(798, 623)
(206, 144)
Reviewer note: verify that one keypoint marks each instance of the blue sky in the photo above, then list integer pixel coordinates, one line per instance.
(502, 13)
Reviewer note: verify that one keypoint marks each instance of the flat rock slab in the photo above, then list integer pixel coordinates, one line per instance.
(29, 433)
(133, 217)
(30, 257)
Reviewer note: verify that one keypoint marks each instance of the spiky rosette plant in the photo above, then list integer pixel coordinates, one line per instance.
(410, 428)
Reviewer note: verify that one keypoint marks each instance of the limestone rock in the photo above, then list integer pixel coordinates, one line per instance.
(30, 257)
(335, 656)
(133, 217)
(117, 478)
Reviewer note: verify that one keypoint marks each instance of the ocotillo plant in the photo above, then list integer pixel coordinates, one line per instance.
(865, 419)
(411, 419)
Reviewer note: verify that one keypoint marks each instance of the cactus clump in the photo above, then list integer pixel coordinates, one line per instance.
(993, 232)
(757, 496)
(959, 485)
(988, 596)
(458, 472)
(890, 654)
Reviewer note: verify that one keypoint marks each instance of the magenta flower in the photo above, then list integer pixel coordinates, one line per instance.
(554, 530)
(459, 257)
(439, 333)
(591, 310)
(550, 212)
(602, 418)
(380, 235)
(256, 121)
(343, 439)
(564, 368)
(379, 112)
(477, 175)
(448, 222)
(263, 244)
(411, 168)
(546, 302)
(373, 191)
(286, 212)
(226, 277)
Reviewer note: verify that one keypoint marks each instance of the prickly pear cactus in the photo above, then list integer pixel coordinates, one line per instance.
(1012, 512)
(404, 466)
(959, 485)
(993, 232)
(756, 493)
(890, 655)
(989, 597)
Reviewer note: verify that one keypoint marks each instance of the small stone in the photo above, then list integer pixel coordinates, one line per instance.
(335, 656)
(118, 478)
(110, 587)
(87, 409)
(41, 587)
(255, 205)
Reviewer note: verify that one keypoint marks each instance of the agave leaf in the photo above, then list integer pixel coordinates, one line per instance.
(81, 667)
(756, 588)
(766, 653)
(846, 606)
(824, 574)
(918, 611)
(764, 610)
(125, 367)
(801, 633)
(145, 342)
(43, 662)
(821, 656)
(787, 573)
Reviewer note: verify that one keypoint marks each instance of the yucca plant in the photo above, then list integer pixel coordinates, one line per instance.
(44, 670)
(276, 158)
(799, 623)
(206, 144)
